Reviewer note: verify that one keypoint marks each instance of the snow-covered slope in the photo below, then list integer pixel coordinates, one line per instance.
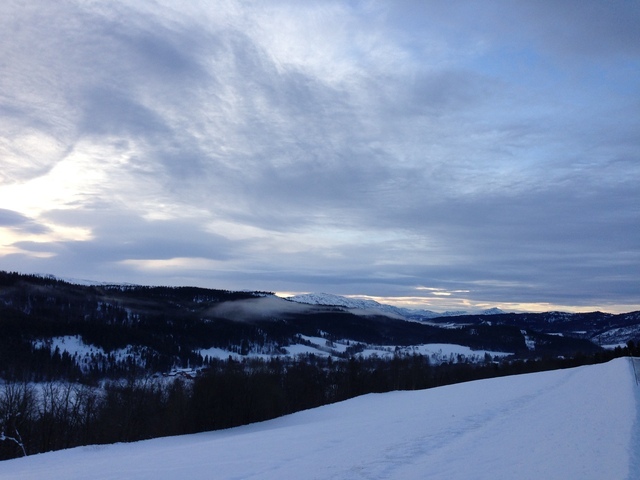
(575, 423)
(352, 303)
(372, 305)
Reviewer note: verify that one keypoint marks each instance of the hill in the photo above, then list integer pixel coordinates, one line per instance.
(574, 423)
(372, 305)
(56, 329)
(599, 327)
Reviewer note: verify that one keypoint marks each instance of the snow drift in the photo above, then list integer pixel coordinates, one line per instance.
(575, 423)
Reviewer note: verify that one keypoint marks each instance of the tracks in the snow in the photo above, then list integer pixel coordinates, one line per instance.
(635, 363)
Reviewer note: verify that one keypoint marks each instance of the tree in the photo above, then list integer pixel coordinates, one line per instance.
(17, 439)
(17, 405)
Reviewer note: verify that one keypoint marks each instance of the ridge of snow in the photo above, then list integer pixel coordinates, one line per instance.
(334, 300)
(360, 304)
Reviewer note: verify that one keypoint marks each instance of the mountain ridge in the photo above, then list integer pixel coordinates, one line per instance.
(160, 328)
(331, 299)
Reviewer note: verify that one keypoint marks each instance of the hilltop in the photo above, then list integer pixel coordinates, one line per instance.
(100, 330)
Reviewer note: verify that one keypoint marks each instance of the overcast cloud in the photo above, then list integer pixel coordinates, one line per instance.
(438, 154)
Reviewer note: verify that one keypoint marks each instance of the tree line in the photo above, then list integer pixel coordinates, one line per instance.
(169, 326)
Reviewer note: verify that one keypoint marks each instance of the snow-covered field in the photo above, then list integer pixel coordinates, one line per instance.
(437, 352)
(86, 355)
(579, 423)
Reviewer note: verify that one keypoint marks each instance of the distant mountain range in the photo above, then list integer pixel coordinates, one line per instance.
(598, 327)
(53, 327)
(372, 305)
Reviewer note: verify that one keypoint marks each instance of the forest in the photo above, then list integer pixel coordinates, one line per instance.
(146, 375)
(53, 415)
(139, 330)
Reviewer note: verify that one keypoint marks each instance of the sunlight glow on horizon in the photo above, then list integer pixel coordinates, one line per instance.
(424, 155)
(449, 304)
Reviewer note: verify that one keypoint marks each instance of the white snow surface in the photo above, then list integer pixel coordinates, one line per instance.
(437, 352)
(574, 423)
(371, 307)
(85, 354)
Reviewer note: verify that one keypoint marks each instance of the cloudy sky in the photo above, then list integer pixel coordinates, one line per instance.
(426, 153)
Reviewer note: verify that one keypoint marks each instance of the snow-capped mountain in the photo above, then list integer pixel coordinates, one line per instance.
(360, 304)
(354, 303)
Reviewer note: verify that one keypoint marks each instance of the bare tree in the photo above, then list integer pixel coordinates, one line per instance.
(17, 404)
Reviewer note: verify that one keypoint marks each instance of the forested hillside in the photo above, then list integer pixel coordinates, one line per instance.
(140, 329)
(83, 364)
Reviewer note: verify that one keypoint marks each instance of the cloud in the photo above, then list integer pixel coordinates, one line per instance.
(17, 221)
(358, 148)
(586, 28)
(118, 236)
(263, 308)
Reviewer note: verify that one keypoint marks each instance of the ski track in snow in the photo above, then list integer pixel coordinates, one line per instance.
(634, 464)
(577, 423)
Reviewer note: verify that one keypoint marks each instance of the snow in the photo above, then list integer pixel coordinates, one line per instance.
(73, 345)
(338, 346)
(371, 307)
(297, 349)
(529, 342)
(437, 352)
(220, 353)
(85, 354)
(574, 423)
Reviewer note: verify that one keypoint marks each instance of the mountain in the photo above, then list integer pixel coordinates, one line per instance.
(372, 305)
(53, 328)
(570, 423)
(102, 363)
(600, 328)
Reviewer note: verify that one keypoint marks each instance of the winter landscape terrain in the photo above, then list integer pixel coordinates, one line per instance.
(580, 423)
(319, 239)
(344, 388)
(99, 327)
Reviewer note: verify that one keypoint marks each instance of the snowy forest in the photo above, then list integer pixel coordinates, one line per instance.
(146, 372)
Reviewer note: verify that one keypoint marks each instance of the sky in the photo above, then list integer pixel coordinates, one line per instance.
(440, 155)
